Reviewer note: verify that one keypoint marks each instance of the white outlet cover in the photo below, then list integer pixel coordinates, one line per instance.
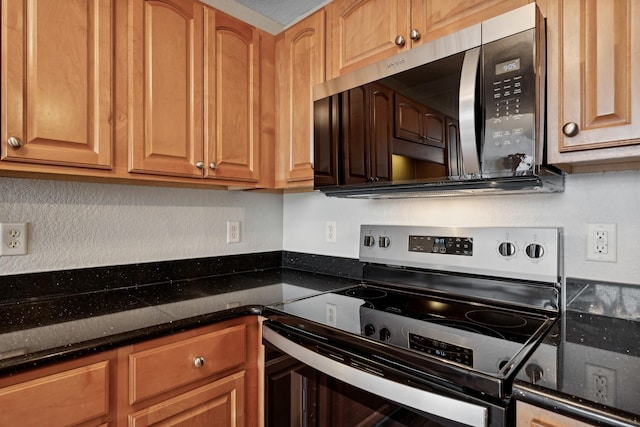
(13, 238)
(330, 232)
(609, 231)
(233, 231)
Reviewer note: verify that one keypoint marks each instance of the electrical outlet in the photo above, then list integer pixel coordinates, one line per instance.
(233, 231)
(332, 313)
(13, 239)
(601, 384)
(330, 232)
(601, 242)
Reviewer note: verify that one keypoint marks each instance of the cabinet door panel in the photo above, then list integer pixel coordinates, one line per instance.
(57, 61)
(447, 16)
(354, 136)
(363, 31)
(220, 403)
(232, 107)
(597, 81)
(301, 55)
(167, 106)
(381, 131)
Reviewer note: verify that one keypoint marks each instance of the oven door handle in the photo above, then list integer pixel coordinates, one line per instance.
(430, 403)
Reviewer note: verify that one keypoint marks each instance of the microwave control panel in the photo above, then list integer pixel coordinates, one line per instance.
(509, 104)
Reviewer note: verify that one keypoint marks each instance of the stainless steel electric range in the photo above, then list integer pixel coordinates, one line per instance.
(434, 335)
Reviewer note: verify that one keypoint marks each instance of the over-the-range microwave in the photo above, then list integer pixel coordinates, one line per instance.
(463, 114)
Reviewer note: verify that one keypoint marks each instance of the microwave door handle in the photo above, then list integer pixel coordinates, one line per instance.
(468, 137)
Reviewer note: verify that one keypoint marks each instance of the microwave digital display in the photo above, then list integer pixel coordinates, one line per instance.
(508, 66)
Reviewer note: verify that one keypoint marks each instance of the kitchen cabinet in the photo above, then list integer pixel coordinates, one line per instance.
(417, 123)
(75, 393)
(593, 85)
(300, 54)
(364, 31)
(57, 83)
(202, 377)
(367, 133)
(531, 416)
(195, 100)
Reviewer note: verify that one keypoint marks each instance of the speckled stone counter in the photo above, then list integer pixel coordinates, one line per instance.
(49, 317)
(595, 373)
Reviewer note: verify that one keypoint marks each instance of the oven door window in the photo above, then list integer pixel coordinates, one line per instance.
(298, 395)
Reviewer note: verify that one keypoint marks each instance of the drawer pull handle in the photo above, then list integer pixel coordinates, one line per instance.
(198, 362)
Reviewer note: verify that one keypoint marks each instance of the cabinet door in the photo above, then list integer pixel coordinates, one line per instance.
(381, 131)
(220, 403)
(165, 87)
(596, 79)
(326, 136)
(74, 393)
(354, 141)
(57, 82)
(232, 107)
(364, 31)
(447, 16)
(301, 65)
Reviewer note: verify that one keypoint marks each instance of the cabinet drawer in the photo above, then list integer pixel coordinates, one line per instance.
(63, 399)
(166, 367)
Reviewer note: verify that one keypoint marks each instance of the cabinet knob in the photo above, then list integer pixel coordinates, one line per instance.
(213, 166)
(14, 142)
(198, 362)
(200, 165)
(415, 35)
(570, 129)
(399, 41)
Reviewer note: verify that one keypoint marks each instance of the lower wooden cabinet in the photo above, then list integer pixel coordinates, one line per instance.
(532, 416)
(220, 403)
(75, 393)
(209, 376)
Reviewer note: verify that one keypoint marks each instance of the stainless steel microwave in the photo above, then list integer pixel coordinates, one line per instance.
(463, 114)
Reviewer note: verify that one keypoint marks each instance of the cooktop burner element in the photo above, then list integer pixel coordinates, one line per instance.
(496, 318)
(366, 293)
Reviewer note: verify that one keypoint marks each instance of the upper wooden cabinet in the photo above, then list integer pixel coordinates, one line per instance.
(594, 84)
(300, 58)
(57, 82)
(166, 87)
(364, 31)
(194, 98)
(232, 93)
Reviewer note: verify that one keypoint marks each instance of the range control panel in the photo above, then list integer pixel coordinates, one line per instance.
(527, 253)
(441, 245)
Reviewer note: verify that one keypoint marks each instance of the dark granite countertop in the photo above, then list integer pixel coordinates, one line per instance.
(39, 331)
(591, 363)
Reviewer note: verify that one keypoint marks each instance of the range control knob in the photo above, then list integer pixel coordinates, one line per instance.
(369, 329)
(384, 242)
(535, 251)
(534, 372)
(385, 334)
(369, 241)
(507, 249)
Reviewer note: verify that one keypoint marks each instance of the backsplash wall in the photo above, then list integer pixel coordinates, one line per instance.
(76, 224)
(612, 197)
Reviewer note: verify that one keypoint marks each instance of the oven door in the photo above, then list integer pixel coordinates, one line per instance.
(311, 383)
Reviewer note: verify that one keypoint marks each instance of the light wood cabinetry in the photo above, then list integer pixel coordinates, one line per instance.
(166, 87)
(593, 84)
(300, 56)
(202, 377)
(365, 31)
(74, 393)
(195, 85)
(232, 113)
(531, 416)
(57, 81)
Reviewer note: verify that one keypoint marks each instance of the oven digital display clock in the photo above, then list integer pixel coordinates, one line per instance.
(441, 245)
(441, 349)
